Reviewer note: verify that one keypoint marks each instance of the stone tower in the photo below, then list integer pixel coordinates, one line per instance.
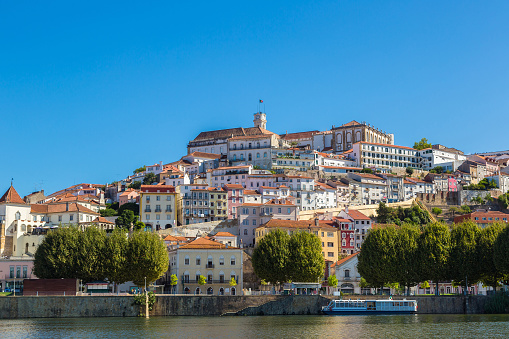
(260, 120)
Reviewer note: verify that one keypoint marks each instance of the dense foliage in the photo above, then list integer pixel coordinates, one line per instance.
(279, 257)
(149, 179)
(398, 216)
(465, 254)
(484, 184)
(93, 255)
(422, 144)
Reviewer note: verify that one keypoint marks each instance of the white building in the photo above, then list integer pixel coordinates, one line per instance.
(370, 189)
(236, 175)
(384, 157)
(448, 160)
(158, 206)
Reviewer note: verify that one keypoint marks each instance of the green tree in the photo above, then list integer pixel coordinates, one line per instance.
(140, 170)
(453, 210)
(465, 209)
(376, 259)
(146, 257)
(409, 170)
(129, 206)
(406, 260)
(139, 225)
(149, 179)
(422, 144)
(332, 281)
(367, 170)
(56, 255)
(135, 185)
(91, 254)
(503, 200)
(489, 198)
(306, 263)
(490, 275)
(115, 257)
(436, 211)
(109, 212)
(463, 260)
(173, 282)
(500, 250)
(126, 219)
(270, 257)
(434, 247)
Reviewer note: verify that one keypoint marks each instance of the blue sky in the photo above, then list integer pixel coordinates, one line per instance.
(91, 91)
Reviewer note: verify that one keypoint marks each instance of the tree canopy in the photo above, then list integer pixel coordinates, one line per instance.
(398, 216)
(129, 206)
(149, 179)
(93, 255)
(126, 219)
(140, 170)
(463, 264)
(279, 257)
(419, 145)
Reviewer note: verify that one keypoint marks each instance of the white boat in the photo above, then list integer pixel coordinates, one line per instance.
(362, 307)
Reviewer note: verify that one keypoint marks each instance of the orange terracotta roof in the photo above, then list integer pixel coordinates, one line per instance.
(234, 186)
(369, 176)
(298, 135)
(302, 224)
(357, 215)
(378, 144)
(102, 220)
(202, 243)
(203, 155)
(11, 196)
(337, 263)
(223, 234)
(60, 208)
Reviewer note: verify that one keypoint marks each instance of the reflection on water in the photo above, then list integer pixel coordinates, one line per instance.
(397, 326)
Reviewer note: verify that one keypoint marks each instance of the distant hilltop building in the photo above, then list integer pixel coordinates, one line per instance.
(348, 134)
(216, 142)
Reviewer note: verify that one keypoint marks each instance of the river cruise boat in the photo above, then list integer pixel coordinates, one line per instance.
(363, 307)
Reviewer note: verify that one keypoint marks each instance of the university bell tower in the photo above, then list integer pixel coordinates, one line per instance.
(260, 120)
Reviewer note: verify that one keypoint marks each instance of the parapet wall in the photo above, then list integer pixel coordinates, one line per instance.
(122, 306)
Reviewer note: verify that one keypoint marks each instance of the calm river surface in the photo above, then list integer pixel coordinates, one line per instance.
(397, 326)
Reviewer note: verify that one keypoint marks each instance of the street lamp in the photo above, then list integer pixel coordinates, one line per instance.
(145, 284)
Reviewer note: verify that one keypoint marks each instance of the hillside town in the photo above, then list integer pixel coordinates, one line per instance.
(232, 187)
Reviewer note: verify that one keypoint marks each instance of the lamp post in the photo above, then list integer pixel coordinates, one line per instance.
(14, 286)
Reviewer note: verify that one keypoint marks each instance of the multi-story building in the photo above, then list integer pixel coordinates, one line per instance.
(219, 263)
(218, 202)
(347, 234)
(395, 188)
(348, 276)
(235, 196)
(362, 224)
(252, 215)
(323, 229)
(476, 170)
(345, 136)
(448, 159)
(342, 191)
(158, 206)
(384, 157)
(502, 181)
(483, 218)
(222, 176)
(130, 195)
(254, 150)
(442, 182)
(368, 188)
(491, 165)
(256, 180)
(325, 196)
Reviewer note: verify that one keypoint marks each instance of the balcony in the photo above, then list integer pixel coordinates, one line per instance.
(9, 276)
(209, 265)
(158, 210)
(147, 210)
(168, 210)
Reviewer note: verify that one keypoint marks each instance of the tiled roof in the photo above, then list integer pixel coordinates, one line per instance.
(202, 243)
(249, 137)
(298, 135)
(234, 186)
(356, 215)
(369, 176)
(337, 263)
(204, 155)
(349, 124)
(173, 238)
(387, 145)
(251, 192)
(276, 223)
(102, 220)
(157, 189)
(223, 234)
(60, 208)
(341, 167)
(228, 133)
(11, 196)
(480, 215)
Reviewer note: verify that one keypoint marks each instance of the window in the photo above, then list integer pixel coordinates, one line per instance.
(330, 234)
(330, 254)
(158, 198)
(347, 273)
(288, 211)
(186, 260)
(232, 260)
(59, 218)
(254, 222)
(221, 260)
(245, 232)
(71, 217)
(198, 261)
(330, 244)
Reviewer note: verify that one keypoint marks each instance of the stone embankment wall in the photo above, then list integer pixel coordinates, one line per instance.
(122, 306)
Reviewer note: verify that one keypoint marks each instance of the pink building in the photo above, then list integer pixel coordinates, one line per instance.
(130, 195)
(14, 271)
(235, 198)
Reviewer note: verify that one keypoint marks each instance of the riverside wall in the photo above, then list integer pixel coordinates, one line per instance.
(122, 306)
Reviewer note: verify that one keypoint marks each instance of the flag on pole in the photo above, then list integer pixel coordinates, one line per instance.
(261, 101)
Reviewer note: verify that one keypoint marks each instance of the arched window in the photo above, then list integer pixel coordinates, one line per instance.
(233, 275)
(198, 260)
(242, 157)
(233, 291)
(221, 277)
(249, 157)
(234, 157)
(264, 154)
(197, 276)
(210, 277)
(186, 277)
(210, 262)
(221, 291)
(210, 290)
(221, 260)
(186, 260)
(186, 290)
(23, 228)
(197, 291)
(257, 155)
(347, 273)
(18, 215)
(232, 260)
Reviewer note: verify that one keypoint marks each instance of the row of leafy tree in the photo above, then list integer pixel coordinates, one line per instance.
(92, 255)
(279, 257)
(408, 255)
(399, 215)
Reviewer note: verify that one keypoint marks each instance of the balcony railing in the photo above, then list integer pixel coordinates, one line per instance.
(148, 210)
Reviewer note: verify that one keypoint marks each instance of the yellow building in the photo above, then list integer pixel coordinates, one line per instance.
(217, 262)
(323, 229)
(218, 204)
(158, 209)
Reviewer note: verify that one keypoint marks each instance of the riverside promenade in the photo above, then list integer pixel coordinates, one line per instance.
(191, 305)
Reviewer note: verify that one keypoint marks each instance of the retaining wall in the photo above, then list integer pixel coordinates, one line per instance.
(122, 306)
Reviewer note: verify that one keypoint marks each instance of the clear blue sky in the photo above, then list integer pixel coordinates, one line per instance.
(91, 91)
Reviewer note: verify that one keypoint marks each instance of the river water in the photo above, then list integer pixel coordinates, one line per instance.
(394, 326)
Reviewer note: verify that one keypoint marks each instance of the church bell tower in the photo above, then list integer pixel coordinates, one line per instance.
(260, 120)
